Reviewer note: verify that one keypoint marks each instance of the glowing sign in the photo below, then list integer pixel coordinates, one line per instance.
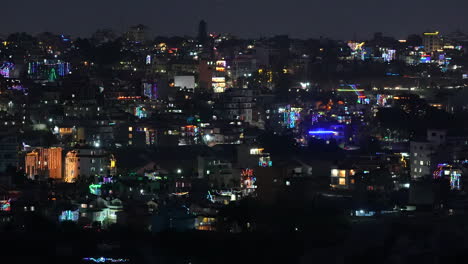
(256, 151)
(221, 63)
(247, 179)
(128, 97)
(6, 68)
(323, 132)
(140, 112)
(103, 260)
(69, 215)
(95, 189)
(219, 84)
(5, 206)
(265, 162)
(218, 79)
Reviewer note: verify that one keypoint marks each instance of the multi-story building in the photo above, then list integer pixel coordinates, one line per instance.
(88, 162)
(44, 162)
(237, 104)
(8, 151)
(438, 148)
(423, 153)
(432, 41)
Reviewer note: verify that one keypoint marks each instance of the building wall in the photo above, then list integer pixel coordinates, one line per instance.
(46, 162)
(88, 162)
(8, 151)
(420, 159)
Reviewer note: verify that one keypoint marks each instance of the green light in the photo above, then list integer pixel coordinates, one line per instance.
(350, 90)
(94, 188)
(52, 75)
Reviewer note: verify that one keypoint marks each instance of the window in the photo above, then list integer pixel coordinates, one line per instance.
(342, 181)
(342, 173)
(421, 162)
(130, 128)
(334, 173)
(415, 154)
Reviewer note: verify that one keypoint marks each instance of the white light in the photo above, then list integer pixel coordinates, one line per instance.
(179, 171)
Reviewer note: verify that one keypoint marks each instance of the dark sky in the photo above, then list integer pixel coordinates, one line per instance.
(247, 18)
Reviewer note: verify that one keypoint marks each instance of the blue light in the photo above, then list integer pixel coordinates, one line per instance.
(322, 132)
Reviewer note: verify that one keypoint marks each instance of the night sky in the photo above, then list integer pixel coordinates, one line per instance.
(247, 18)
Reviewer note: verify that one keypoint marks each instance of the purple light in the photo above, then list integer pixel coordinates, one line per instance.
(322, 132)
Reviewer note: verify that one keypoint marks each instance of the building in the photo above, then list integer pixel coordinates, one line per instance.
(342, 178)
(237, 104)
(138, 34)
(432, 41)
(87, 162)
(44, 162)
(8, 150)
(439, 148)
(423, 160)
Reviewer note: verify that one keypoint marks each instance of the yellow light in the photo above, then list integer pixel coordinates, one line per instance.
(431, 33)
(112, 164)
(342, 181)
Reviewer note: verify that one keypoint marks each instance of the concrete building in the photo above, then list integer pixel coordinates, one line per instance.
(88, 162)
(432, 41)
(425, 154)
(237, 104)
(44, 162)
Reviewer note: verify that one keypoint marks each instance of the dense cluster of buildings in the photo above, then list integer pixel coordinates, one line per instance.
(164, 133)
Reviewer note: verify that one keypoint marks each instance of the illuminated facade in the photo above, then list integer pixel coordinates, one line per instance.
(454, 174)
(48, 69)
(291, 116)
(45, 162)
(248, 179)
(6, 68)
(87, 163)
(342, 179)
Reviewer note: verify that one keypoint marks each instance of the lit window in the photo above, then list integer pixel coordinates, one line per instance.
(421, 162)
(130, 136)
(342, 173)
(334, 173)
(130, 128)
(342, 181)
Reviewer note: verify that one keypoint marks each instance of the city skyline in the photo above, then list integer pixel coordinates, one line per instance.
(301, 19)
